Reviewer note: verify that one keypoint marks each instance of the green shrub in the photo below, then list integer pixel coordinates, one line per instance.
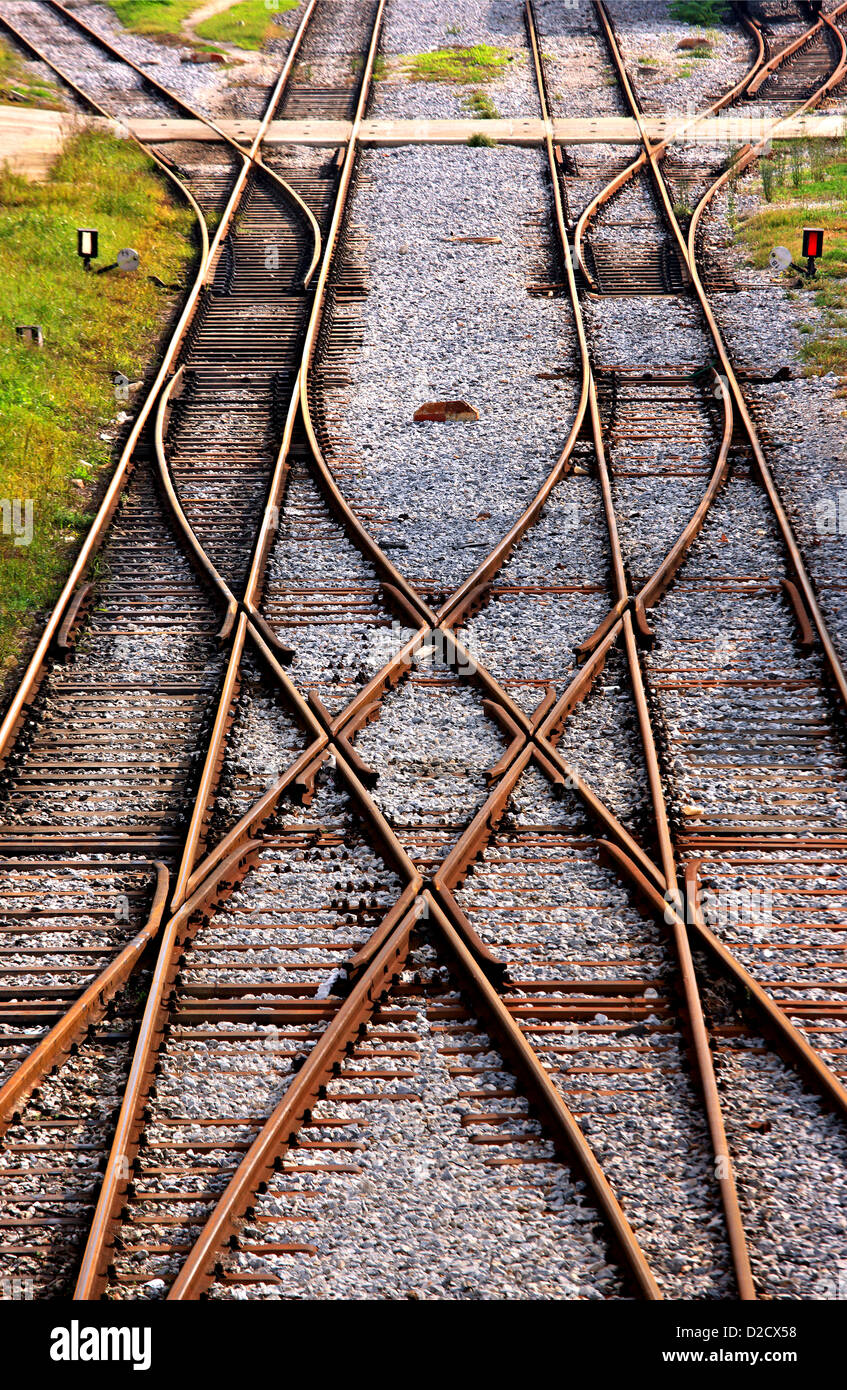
(702, 13)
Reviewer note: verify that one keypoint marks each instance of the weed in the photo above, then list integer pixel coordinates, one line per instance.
(20, 85)
(153, 16)
(480, 104)
(796, 158)
(480, 141)
(480, 63)
(768, 172)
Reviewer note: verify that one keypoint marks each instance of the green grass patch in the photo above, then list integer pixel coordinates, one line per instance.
(153, 16)
(480, 141)
(481, 63)
(247, 24)
(21, 86)
(55, 402)
(820, 200)
(701, 13)
(480, 105)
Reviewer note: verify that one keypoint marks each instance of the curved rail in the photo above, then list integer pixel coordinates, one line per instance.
(770, 67)
(32, 676)
(196, 1271)
(85, 1011)
(617, 183)
(452, 611)
(115, 1177)
(803, 581)
(250, 154)
(662, 577)
(680, 941)
(339, 505)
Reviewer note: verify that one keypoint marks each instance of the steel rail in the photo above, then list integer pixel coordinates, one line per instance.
(419, 612)
(262, 546)
(188, 872)
(662, 577)
(752, 152)
(560, 1121)
(33, 674)
(219, 1211)
(119, 971)
(92, 1271)
(806, 1058)
(704, 1065)
(196, 1274)
(455, 607)
(251, 154)
(770, 67)
(232, 605)
(31, 678)
(204, 1273)
(87, 99)
(801, 576)
(247, 616)
(659, 582)
(338, 504)
(119, 1152)
(618, 182)
(85, 1011)
(705, 1070)
(198, 1269)
(238, 855)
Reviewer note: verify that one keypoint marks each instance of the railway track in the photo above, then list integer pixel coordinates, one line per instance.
(302, 946)
(146, 675)
(730, 645)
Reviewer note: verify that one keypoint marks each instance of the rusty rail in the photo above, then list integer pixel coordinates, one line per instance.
(32, 677)
(85, 1011)
(252, 154)
(802, 579)
(93, 1268)
(679, 939)
(632, 169)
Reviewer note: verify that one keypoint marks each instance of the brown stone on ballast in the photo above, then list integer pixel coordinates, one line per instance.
(201, 57)
(440, 411)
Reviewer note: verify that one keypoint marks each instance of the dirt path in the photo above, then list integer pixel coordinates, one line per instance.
(204, 12)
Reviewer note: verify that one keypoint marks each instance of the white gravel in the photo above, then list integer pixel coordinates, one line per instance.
(446, 320)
